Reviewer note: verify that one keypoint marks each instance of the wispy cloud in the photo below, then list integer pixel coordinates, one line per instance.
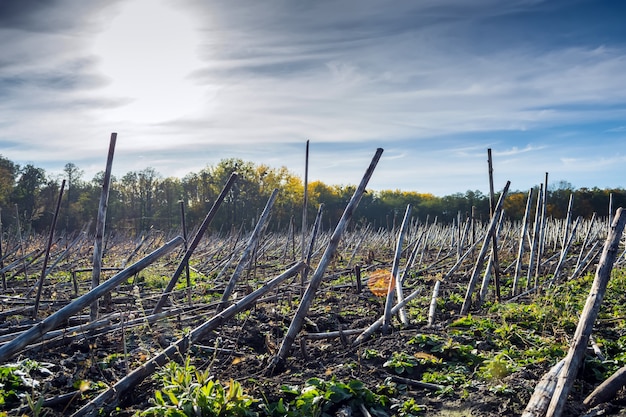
(435, 83)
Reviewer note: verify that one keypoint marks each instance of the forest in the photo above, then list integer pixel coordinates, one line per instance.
(143, 200)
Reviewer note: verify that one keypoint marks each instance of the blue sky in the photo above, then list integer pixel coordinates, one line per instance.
(435, 83)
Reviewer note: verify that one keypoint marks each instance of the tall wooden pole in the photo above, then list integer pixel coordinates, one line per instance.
(305, 203)
(494, 236)
(588, 317)
(102, 214)
(47, 255)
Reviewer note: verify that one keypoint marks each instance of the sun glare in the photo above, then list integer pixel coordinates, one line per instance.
(147, 53)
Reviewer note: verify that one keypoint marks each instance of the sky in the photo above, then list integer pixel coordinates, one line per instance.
(435, 83)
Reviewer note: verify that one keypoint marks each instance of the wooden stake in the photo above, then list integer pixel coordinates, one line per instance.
(100, 222)
(534, 247)
(305, 203)
(588, 317)
(520, 251)
(397, 289)
(47, 255)
(494, 236)
(483, 251)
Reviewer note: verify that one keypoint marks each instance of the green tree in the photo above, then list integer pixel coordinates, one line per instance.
(73, 176)
(8, 174)
(26, 194)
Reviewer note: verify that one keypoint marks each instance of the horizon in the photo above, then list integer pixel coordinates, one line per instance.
(188, 83)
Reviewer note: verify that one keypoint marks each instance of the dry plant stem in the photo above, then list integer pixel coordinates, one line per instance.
(56, 319)
(564, 251)
(109, 399)
(432, 309)
(568, 220)
(542, 232)
(376, 325)
(394, 273)
(591, 255)
(247, 252)
(421, 384)
(309, 253)
(98, 248)
(587, 235)
(543, 224)
(484, 288)
(194, 243)
(411, 259)
(56, 333)
(316, 279)
(520, 250)
(331, 335)
(483, 251)
(535, 240)
(588, 316)
(32, 255)
(47, 255)
(539, 401)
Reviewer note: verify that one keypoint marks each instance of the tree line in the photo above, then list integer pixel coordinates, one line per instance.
(141, 200)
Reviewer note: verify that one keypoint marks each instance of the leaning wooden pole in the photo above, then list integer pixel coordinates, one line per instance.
(102, 214)
(607, 390)
(483, 251)
(51, 322)
(194, 243)
(395, 284)
(108, 400)
(47, 255)
(520, 250)
(540, 400)
(588, 317)
(534, 247)
(542, 228)
(303, 309)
